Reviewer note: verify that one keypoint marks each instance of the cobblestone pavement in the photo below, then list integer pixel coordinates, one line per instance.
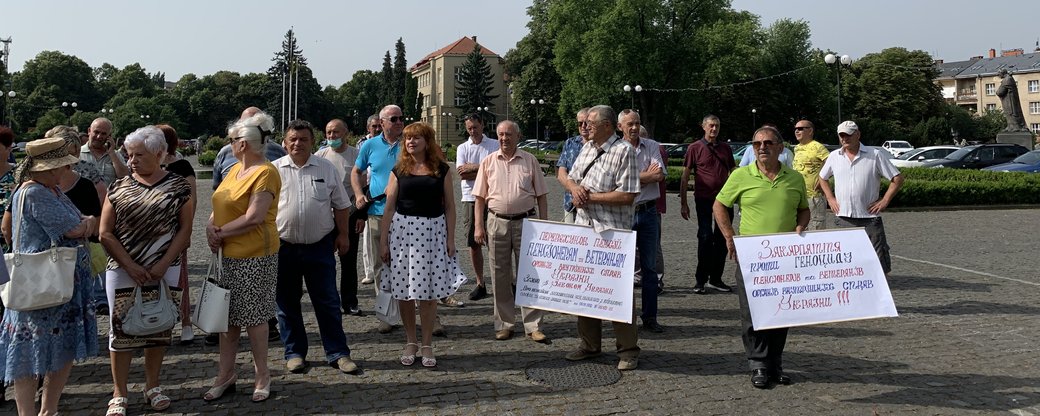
(965, 343)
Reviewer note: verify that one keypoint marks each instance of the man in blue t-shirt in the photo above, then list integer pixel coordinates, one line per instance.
(377, 155)
(571, 148)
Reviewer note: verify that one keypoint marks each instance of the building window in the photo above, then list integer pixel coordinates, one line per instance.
(1035, 127)
(1034, 85)
(991, 107)
(458, 74)
(991, 89)
(458, 100)
(1034, 107)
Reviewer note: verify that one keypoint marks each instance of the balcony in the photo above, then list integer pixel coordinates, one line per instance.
(967, 96)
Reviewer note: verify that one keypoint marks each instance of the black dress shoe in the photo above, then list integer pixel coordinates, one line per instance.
(479, 293)
(760, 378)
(778, 376)
(653, 326)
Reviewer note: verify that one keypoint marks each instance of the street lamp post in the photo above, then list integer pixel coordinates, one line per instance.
(73, 105)
(633, 90)
(536, 103)
(7, 107)
(844, 60)
(446, 116)
(754, 118)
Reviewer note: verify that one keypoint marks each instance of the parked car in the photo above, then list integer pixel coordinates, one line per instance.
(678, 151)
(1028, 162)
(897, 147)
(979, 156)
(917, 157)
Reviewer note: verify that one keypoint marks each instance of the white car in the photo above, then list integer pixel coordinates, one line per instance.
(897, 147)
(919, 156)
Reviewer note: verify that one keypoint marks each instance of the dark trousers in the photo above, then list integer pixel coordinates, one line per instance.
(764, 348)
(315, 265)
(646, 225)
(711, 245)
(348, 276)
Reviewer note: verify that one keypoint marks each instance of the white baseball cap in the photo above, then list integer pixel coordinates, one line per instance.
(848, 127)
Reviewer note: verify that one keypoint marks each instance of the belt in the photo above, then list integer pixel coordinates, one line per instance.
(513, 216)
(645, 204)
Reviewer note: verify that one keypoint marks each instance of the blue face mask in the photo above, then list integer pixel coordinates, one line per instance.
(336, 143)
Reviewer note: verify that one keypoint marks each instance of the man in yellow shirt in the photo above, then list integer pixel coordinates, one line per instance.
(809, 156)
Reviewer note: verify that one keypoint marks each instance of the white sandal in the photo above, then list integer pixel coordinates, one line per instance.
(117, 407)
(157, 399)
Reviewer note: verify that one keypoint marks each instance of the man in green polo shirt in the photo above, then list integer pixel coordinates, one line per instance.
(772, 200)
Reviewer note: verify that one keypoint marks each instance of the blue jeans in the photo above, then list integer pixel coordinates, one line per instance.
(646, 225)
(315, 265)
(711, 245)
(99, 294)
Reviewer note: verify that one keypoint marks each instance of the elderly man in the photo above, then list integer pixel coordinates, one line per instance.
(570, 152)
(646, 222)
(857, 171)
(710, 161)
(377, 156)
(225, 159)
(809, 157)
(100, 151)
(508, 186)
(467, 160)
(312, 224)
(342, 155)
(607, 175)
(772, 200)
(374, 127)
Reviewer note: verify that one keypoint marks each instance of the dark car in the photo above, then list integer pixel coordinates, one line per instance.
(1029, 162)
(678, 151)
(979, 156)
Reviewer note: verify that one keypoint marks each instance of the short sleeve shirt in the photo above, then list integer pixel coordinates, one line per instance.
(710, 164)
(511, 185)
(470, 152)
(571, 148)
(648, 153)
(766, 206)
(857, 182)
(379, 157)
(309, 194)
(344, 163)
(606, 168)
(103, 164)
(147, 217)
(808, 160)
(231, 200)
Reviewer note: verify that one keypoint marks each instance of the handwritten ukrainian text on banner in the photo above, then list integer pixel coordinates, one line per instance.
(818, 277)
(571, 269)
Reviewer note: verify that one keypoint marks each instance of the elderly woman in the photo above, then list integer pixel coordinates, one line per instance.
(242, 227)
(421, 197)
(145, 226)
(45, 342)
(173, 163)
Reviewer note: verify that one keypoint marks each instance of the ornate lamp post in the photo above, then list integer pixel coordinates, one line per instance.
(536, 104)
(844, 60)
(633, 90)
(73, 105)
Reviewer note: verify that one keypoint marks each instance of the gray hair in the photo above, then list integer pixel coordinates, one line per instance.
(371, 118)
(583, 112)
(386, 110)
(512, 124)
(151, 137)
(625, 113)
(710, 117)
(643, 133)
(255, 130)
(605, 113)
(771, 130)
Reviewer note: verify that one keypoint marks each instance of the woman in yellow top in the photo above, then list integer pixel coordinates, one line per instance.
(243, 225)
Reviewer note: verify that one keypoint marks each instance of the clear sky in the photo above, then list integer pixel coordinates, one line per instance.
(341, 37)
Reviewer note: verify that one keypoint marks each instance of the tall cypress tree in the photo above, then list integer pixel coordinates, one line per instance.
(400, 74)
(475, 86)
(387, 96)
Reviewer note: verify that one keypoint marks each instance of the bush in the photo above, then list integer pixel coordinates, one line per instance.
(207, 157)
(214, 143)
(931, 187)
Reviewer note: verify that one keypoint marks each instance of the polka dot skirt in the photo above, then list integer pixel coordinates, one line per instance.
(419, 267)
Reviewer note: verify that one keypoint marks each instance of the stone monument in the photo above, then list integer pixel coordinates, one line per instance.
(1016, 131)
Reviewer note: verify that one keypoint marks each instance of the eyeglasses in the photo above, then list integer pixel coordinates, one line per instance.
(235, 139)
(767, 143)
(394, 119)
(591, 123)
(376, 126)
(800, 128)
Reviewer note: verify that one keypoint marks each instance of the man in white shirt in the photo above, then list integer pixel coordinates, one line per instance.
(857, 170)
(467, 160)
(342, 155)
(312, 224)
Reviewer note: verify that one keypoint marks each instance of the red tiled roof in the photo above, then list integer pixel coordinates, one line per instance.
(462, 46)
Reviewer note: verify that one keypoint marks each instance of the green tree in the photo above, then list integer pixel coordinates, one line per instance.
(400, 74)
(360, 97)
(533, 75)
(387, 92)
(895, 85)
(308, 98)
(50, 79)
(474, 87)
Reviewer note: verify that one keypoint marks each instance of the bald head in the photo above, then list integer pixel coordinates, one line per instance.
(249, 112)
(100, 135)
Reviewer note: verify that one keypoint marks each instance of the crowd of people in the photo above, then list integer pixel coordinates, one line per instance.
(282, 214)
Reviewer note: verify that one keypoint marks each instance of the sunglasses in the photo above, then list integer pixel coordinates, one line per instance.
(394, 119)
(800, 128)
(591, 123)
(376, 126)
(767, 143)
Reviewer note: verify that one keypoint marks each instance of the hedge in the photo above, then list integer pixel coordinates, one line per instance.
(206, 158)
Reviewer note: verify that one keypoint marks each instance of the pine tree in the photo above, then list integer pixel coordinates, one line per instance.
(387, 95)
(475, 86)
(400, 74)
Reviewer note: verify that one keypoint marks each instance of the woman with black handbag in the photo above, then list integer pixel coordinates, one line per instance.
(43, 342)
(146, 224)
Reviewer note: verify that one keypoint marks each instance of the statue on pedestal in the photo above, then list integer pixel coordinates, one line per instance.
(1008, 93)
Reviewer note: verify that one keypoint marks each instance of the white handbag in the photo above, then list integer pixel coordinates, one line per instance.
(147, 317)
(38, 280)
(387, 308)
(211, 310)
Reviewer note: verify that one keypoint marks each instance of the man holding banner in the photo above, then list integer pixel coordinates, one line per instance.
(607, 171)
(772, 200)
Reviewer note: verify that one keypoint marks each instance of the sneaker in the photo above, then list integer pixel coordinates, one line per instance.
(451, 301)
(355, 311)
(627, 364)
(367, 281)
(699, 290)
(719, 286)
(296, 365)
(187, 334)
(479, 293)
(346, 365)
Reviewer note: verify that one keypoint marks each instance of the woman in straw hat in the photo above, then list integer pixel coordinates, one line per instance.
(45, 342)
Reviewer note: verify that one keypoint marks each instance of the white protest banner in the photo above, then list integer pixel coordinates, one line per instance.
(572, 269)
(818, 277)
